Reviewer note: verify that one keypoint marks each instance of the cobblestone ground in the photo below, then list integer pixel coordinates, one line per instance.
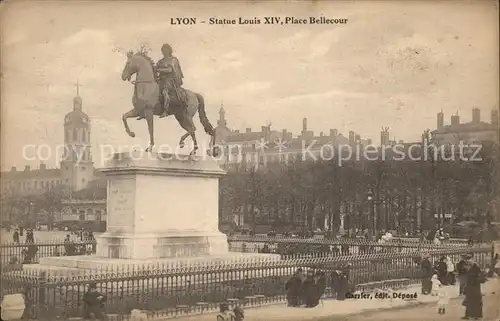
(454, 312)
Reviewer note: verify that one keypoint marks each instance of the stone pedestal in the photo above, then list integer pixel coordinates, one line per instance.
(160, 208)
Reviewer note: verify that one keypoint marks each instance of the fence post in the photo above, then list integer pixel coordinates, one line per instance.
(42, 288)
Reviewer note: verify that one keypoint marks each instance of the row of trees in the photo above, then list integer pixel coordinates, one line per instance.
(42, 207)
(383, 194)
(380, 194)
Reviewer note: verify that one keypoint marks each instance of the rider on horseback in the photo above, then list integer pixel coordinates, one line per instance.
(169, 78)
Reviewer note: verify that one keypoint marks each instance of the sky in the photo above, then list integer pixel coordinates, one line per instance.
(394, 64)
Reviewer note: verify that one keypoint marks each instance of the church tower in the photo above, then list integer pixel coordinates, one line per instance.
(222, 117)
(77, 167)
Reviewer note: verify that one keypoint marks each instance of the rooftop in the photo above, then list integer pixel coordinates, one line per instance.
(466, 127)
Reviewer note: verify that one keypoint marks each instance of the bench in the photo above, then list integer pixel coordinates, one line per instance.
(202, 306)
(182, 308)
(250, 300)
(259, 299)
(233, 301)
(394, 284)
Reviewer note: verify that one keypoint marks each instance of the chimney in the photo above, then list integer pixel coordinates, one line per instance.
(351, 138)
(304, 125)
(248, 130)
(321, 134)
(494, 117)
(455, 120)
(283, 134)
(440, 120)
(369, 141)
(384, 138)
(476, 115)
(266, 133)
(333, 133)
(43, 166)
(358, 139)
(27, 168)
(13, 169)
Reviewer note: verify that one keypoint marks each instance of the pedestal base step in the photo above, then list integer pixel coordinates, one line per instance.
(87, 264)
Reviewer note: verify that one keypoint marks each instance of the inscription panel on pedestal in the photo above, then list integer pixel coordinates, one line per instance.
(121, 204)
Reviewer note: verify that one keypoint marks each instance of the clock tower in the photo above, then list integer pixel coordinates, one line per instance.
(77, 167)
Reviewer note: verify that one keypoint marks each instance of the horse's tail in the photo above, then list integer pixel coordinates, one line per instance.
(209, 129)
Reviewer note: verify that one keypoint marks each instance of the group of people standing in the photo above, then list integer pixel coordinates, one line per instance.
(444, 272)
(18, 232)
(307, 289)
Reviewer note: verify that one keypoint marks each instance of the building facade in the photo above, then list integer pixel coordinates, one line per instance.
(474, 132)
(268, 146)
(76, 176)
(76, 167)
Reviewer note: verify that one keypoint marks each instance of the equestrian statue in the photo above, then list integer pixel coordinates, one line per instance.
(158, 91)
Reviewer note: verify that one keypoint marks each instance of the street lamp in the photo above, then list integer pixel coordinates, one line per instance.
(371, 226)
(30, 219)
(373, 201)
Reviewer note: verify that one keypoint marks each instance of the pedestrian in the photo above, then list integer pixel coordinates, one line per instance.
(462, 274)
(435, 285)
(30, 237)
(450, 269)
(309, 290)
(293, 289)
(239, 313)
(93, 303)
(320, 281)
(343, 284)
(426, 268)
(473, 301)
(442, 270)
(224, 313)
(15, 236)
(493, 264)
(443, 300)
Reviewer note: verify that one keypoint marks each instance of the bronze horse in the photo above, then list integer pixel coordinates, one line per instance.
(147, 104)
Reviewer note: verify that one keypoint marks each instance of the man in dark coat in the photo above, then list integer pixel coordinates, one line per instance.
(442, 270)
(462, 275)
(94, 303)
(15, 236)
(426, 268)
(293, 289)
(30, 237)
(320, 281)
(473, 298)
(343, 286)
(309, 290)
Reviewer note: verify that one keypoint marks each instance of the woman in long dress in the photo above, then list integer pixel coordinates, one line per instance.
(473, 298)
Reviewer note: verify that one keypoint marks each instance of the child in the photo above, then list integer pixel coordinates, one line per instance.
(443, 300)
(435, 285)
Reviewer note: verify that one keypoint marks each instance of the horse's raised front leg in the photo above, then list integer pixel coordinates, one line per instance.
(149, 113)
(130, 114)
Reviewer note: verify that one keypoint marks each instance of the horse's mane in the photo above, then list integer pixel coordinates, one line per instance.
(144, 54)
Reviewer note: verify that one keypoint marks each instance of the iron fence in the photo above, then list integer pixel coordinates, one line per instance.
(32, 252)
(290, 247)
(174, 290)
(286, 246)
